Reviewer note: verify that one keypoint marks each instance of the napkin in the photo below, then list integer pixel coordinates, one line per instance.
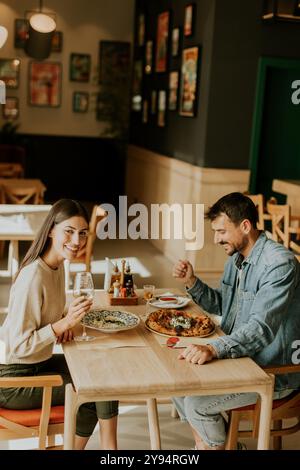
(122, 339)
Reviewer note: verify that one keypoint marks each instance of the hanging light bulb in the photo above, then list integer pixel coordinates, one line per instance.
(3, 36)
(41, 29)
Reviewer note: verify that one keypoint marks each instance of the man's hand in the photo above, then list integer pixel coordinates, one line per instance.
(184, 272)
(197, 354)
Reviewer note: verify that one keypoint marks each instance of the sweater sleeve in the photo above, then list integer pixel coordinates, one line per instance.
(27, 333)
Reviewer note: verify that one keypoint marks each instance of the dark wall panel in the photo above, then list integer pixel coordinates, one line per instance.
(90, 169)
(182, 137)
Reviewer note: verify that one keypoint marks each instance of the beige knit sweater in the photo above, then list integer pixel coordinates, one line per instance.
(37, 299)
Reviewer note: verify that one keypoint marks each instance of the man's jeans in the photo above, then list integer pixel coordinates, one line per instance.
(203, 413)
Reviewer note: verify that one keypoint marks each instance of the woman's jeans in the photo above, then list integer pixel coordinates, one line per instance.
(203, 413)
(31, 397)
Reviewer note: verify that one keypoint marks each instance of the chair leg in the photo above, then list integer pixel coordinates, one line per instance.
(153, 424)
(277, 440)
(232, 435)
(174, 412)
(51, 441)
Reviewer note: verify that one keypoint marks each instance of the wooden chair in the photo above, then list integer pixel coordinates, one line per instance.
(263, 215)
(282, 231)
(85, 256)
(284, 408)
(19, 195)
(41, 423)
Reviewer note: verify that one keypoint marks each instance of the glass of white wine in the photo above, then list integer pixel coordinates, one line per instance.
(84, 286)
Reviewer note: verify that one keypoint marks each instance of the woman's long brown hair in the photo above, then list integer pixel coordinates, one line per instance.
(62, 210)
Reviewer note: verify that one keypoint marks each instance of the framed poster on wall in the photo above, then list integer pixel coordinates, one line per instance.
(162, 39)
(188, 85)
(45, 84)
(10, 72)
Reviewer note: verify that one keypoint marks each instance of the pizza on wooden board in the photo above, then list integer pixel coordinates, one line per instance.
(177, 323)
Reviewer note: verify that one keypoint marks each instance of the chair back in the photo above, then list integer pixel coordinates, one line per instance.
(98, 214)
(19, 195)
(258, 201)
(281, 216)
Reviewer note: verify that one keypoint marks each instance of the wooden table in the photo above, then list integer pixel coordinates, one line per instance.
(291, 189)
(20, 183)
(153, 371)
(19, 222)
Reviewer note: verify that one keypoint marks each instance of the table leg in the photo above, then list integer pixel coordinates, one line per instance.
(70, 417)
(153, 424)
(265, 416)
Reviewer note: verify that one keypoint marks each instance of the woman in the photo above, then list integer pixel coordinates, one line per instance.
(35, 322)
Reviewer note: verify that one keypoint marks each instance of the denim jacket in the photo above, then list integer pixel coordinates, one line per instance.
(260, 315)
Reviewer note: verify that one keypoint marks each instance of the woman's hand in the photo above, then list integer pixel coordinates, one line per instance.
(67, 336)
(76, 311)
(198, 354)
(184, 272)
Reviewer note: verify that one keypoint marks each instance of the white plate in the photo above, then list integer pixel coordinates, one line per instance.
(181, 302)
(110, 321)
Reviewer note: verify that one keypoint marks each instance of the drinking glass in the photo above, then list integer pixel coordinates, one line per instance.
(148, 292)
(84, 286)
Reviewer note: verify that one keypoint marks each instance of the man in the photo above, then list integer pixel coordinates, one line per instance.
(259, 301)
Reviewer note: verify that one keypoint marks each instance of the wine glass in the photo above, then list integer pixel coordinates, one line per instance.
(84, 286)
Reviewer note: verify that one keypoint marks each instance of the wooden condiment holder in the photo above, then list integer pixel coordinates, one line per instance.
(133, 300)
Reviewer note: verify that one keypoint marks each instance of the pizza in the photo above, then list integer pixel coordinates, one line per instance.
(173, 322)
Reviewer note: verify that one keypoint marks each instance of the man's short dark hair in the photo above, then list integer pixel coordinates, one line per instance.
(237, 207)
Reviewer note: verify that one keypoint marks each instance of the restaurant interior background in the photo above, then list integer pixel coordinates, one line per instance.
(165, 101)
(117, 127)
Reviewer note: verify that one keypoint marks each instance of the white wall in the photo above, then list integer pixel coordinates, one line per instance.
(83, 23)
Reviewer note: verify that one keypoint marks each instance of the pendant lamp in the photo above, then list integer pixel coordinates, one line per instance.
(41, 29)
(3, 36)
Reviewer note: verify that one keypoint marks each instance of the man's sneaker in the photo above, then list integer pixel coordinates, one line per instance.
(241, 446)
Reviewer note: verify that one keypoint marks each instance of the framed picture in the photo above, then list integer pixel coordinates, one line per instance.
(10, 109)
(21, 32)
(161, 117)
(113, 99)
(148, 57)
(145, 112)
(153, 101)
(173, 90)
(175, 41)
(114, 62)
(10, 72)
(45, 84)
(80, 67)
(80, 102)
(141, 29)
(57, 41)
(189, 19)
(162, 41)
(137, 86)
(188, 85)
